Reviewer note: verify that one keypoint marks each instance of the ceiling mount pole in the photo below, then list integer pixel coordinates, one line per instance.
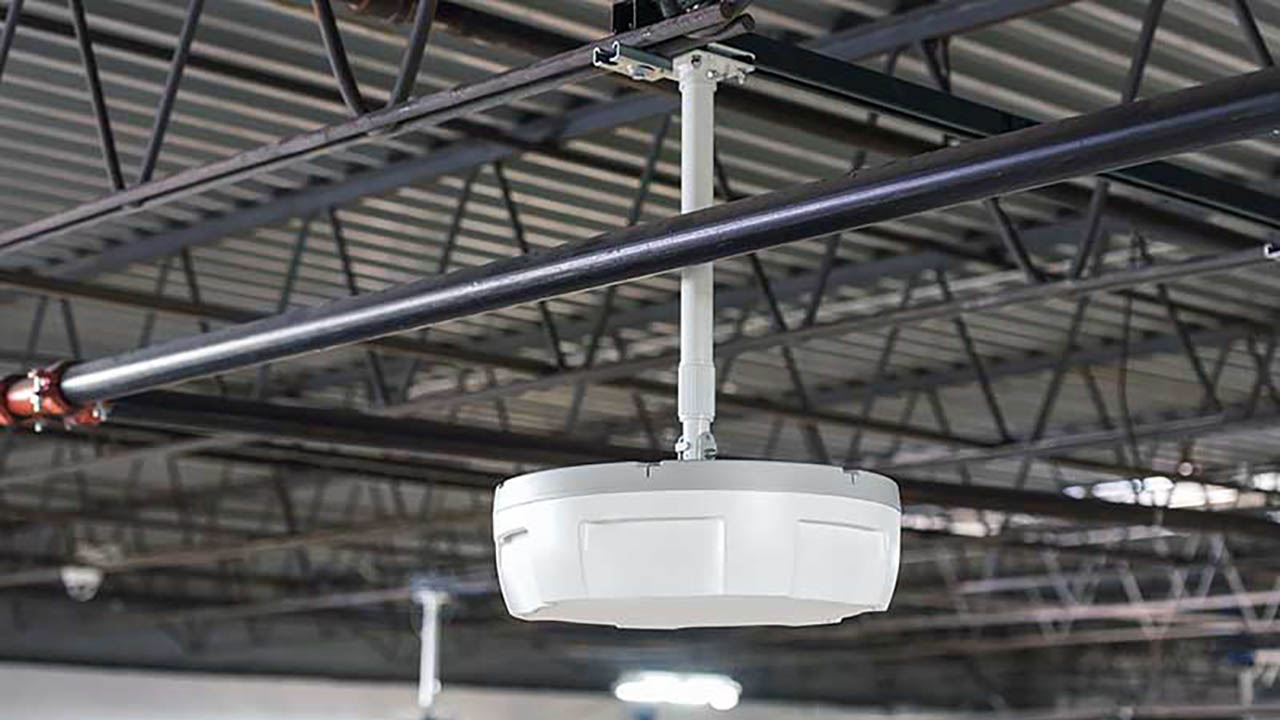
(697, 72)
(697, 373)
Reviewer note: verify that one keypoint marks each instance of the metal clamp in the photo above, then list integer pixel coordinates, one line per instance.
(94, 414)
(46, 398)
(722, 64)
(702, 447)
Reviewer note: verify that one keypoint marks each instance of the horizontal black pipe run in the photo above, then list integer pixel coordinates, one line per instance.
(1180, 122)
(1010, 500)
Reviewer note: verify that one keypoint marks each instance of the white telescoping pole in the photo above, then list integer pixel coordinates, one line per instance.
(428, 663)
(697, 374)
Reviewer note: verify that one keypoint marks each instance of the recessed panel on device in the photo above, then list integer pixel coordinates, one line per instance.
(647, 545)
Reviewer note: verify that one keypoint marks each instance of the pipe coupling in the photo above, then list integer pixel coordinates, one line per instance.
(36, 398)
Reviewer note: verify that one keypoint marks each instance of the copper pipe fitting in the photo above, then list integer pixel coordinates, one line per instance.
(37, 397)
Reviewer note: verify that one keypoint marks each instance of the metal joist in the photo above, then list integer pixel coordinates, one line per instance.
(286, 424)
(535, 136)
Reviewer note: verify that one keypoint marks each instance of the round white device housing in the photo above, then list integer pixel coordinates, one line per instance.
(697, 543)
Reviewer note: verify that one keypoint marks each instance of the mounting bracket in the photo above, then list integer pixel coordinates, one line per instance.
(721, 63)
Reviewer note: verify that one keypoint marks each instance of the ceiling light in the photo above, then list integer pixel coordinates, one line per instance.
(658, 688)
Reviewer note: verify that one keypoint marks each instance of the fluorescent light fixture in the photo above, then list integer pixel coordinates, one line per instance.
(718, 692)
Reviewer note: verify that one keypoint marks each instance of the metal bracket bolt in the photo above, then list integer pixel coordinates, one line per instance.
(704, 446)
(41, 383)
(95, 414)
(722, 66)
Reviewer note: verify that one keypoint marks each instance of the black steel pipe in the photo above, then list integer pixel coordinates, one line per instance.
(1179, 122)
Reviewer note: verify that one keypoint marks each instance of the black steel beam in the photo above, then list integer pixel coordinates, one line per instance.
(130, 443)
(194, 413)
(1229, 420)
(930, 21)
(186, 412)
(207, 555)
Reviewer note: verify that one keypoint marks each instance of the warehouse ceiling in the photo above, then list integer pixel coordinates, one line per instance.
(1087, 441)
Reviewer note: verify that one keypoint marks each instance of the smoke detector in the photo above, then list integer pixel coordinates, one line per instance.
(696, 542)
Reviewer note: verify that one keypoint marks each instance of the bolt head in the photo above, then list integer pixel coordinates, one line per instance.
(709, 448)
